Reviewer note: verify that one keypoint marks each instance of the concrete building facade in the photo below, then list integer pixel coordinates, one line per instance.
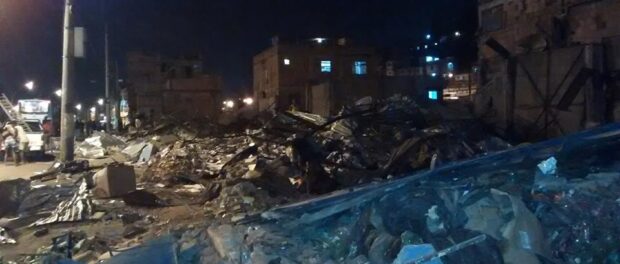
(159, 86)
(548, 67)
(318, 75)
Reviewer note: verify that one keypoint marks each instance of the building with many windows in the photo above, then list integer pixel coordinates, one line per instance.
(158, 85)
(318, 75)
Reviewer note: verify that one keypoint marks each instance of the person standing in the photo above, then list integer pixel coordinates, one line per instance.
(10, 145)
(48, 130)
(22, 142)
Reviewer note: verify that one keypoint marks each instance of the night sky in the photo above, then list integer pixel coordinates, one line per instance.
(227, 33)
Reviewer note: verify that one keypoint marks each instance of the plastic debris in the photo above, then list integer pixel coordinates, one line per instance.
(5, 238)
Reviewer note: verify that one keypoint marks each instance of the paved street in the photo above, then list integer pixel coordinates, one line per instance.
(11, 172)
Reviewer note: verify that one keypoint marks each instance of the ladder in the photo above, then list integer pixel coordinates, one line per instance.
(7, 107)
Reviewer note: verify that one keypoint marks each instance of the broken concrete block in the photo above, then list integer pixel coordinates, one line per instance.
(226, 241)
(114, 180)
(41, 232)
(132, 231)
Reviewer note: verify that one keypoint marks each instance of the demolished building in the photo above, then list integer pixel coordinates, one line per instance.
(158, 86)
(548, 68)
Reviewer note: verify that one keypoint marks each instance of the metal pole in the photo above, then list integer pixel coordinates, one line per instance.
(119, 123)
(107, 83)
(66, 115)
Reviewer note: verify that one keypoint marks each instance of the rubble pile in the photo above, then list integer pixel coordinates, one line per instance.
(554, 202)
(384, 181)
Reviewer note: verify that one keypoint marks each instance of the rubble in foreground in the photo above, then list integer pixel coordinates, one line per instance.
(210, 194)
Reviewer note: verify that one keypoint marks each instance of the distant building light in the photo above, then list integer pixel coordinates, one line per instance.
(320, 40)
(457, 34)
(450, 75)
(360, 67)
(93, 109)
(417, 48)
(436, 43)
(326, 66)
(58, 92)
(287, 62)
(436, 59)
(100, 101)
(429, 58)
(248, 100)
(432, 94)
(229, 104)
(450, 66)
(425, 46)
(428, 36)
(434, 74)
(78, 107)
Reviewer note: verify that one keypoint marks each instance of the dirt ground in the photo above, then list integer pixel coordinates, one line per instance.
(168, 219)
(11, 172)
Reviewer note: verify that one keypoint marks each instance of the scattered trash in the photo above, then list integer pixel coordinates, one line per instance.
(384, 181)
(142, 198)
(41, 232)
(5, 238)
(78, 208)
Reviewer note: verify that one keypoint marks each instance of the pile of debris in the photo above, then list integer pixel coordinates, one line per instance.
(553, 202)
(230, 178)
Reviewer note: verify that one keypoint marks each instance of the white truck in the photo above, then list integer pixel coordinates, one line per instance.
(36, 145)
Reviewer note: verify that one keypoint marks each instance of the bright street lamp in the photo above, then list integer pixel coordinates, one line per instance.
(229, 104)
(248, 100)
(100, 101)
(78, 107)
(58, 92)
(29, 85)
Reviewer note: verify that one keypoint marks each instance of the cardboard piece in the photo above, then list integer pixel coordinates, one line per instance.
(114, 180)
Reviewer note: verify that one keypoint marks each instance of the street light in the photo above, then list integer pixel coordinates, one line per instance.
(248, 100)
(229, 104)
(100, 101)
(29, 85)
(58, 92)
(78, 107)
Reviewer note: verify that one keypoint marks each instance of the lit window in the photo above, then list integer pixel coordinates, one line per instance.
(429, 58)
(320, 40)
(450, 66)
(359, 67)
(428, 36)
(287, 62)
(436, 59)
(326, 66)
(432, 94)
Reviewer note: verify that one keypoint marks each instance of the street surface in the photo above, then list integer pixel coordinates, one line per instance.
(11, 172)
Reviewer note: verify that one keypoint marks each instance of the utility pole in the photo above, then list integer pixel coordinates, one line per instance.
(66, 115)
(119, 122)
(107, 83)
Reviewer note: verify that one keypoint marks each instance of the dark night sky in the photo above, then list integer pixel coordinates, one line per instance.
(226, 32)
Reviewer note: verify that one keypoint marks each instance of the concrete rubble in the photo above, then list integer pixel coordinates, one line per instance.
(384, 181)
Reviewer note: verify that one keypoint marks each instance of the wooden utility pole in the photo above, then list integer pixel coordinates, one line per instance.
(67, 113)
(107, 83)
